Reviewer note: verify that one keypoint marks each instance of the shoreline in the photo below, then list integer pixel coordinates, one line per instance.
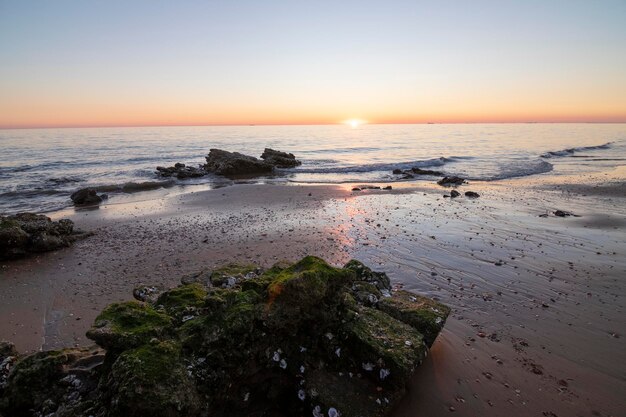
(443, 248)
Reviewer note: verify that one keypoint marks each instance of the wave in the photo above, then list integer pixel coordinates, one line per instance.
(571, 151)
(63, 180)
(521, 169)
(135, 187)
(386, 166)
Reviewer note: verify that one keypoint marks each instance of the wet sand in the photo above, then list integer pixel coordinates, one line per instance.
(538, 324)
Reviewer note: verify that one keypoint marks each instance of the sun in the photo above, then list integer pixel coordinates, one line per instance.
(354, 123)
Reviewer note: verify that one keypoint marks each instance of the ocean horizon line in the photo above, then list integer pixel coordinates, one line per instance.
(303, 124)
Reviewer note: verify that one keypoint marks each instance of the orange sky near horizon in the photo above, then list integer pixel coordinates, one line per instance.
(117, 64)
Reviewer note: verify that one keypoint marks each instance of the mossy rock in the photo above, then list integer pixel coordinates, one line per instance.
(364, 273)
(122, 326)
(152, 380)
(35, 379)
(385, 349)
(246, 350)
(423, 314)
(230, 275)
(13, 240)
(183, 301)
(233, 316)
(308, 292)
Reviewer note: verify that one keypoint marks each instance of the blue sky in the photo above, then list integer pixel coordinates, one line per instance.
(157, 62)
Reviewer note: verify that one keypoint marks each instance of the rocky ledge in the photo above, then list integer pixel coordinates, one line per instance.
(181, 171)
(280, 159)
(300, 339)
(233, 164)
(26, 233)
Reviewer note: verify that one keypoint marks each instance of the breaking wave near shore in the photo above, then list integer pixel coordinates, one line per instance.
(123, 161)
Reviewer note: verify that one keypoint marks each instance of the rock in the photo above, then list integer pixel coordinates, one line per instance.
(471, 194)
(421, 313)
(152, 380)
(146, 293)
(235, 164)
(280, 159)
(448, 181)
(410, 173)
(562, 213)
(297, 339)
(454, 193)
(42, 380)
(126, 325)
(389, 187)
(8, 357)
(85, 197)
(419, 171)
(26, 233)
(356, 189)
(181, 171)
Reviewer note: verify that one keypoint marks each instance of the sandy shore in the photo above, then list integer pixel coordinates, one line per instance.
(538, 325)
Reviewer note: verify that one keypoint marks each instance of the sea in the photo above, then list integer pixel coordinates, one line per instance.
(40, 168)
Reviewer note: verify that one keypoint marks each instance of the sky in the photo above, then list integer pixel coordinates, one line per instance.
(138, 63)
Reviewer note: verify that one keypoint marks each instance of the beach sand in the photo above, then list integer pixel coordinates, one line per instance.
(538, 325)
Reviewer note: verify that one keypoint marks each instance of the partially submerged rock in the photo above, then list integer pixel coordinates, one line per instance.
(298, 339)
(26, 233)
(181, 171)
(235, 164)
(448, 181)
(410, 173)
(87, 197)
(280, 159)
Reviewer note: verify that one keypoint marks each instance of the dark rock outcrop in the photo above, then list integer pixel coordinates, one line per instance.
(471, 194)
(454, 193)
(448, 181)
(411, 173)
(419, 171)
(26, 233)
(181, 171)
(280, 159)
(87, 197)
(297, 339)
(235, 164)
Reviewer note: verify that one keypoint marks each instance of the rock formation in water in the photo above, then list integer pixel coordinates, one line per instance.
(280, 159)
(300, 339)
(87, 197)
(181, 171)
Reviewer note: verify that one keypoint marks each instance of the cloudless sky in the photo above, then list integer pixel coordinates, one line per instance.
(86, 63)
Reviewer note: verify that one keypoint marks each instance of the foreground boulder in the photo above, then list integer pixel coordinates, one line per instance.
(297, 339)
(87, 197)
(181, 171)
(26, 233)
(280, 159)
(235, 164)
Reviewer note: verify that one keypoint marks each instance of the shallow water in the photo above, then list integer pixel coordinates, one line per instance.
(39, 168)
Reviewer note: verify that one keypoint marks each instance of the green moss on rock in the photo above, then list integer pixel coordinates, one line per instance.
(385, 348)
(122, 326)
(308, 292)
(34, 380)
(183, 300)
(423, 314)
(300, 339)
(152, 380)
